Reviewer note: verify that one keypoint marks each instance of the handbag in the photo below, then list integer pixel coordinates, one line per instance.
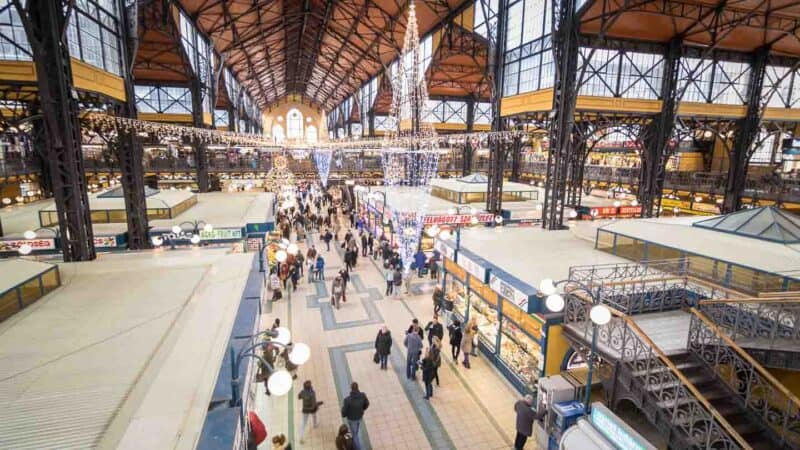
(376, 358)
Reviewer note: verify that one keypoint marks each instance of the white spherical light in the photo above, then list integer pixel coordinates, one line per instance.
(292, 249)
(451, 211)
(445, 234)
(157, 241)
(547, 287)
(176, 229)
(600, 314)
(30, 234)
(617, 204)
(284, 336)
(279, 382)
(432, 231)
(281, 255)
(554, 303)
(6, 201)
(498, 219)
(25, 249)
(208, 228)
(195, 239)
(300, 354)
(634, 202)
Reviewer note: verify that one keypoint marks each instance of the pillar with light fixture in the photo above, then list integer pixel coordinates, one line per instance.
(280, 381)
(599, 315)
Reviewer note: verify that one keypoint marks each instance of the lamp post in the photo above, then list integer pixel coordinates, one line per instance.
(599, 314)
(279, 381)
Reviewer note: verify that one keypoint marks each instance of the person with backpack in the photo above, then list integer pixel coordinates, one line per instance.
(353, 410)
(320, 268)
(310, 407)
(397, 280)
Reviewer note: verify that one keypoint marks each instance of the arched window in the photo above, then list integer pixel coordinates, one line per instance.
(311, 134)
(277, 133)
(294, 124)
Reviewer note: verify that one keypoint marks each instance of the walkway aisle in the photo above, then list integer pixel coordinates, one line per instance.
(473, 409)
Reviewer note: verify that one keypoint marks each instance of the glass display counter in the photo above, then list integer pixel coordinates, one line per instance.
(485, 315)
(457, 293)
(520, 345)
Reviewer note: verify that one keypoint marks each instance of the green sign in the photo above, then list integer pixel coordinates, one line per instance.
(617, 431)
(221, 234)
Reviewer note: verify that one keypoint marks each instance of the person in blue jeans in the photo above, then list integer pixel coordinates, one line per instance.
(353, 410)
(413, 343)
(320, 268)
(383, 346)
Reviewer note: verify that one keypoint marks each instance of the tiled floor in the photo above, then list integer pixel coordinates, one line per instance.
(472, 409)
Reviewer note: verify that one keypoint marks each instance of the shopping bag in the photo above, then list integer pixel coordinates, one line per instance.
(376, 358)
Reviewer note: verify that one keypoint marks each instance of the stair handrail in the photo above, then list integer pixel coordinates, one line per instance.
(640, 334)
(792, 403)
(718, 315)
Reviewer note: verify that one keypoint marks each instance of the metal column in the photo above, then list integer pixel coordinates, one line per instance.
(129, 148)
(497, 150)
(747, 130)
(371, 120)
(565, 53)
(658, 135)
(45, 23)
(516, 158)
(467, 155)
(199, 147)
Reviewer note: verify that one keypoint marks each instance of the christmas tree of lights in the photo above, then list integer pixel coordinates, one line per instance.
(411, 153)
(322, 158)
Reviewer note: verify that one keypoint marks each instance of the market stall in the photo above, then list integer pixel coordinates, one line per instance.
(513, 338)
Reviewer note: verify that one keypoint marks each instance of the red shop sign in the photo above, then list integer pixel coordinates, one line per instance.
(457, 219)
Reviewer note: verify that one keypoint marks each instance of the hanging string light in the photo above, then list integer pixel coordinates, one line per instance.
(279, 176)
(322, 158)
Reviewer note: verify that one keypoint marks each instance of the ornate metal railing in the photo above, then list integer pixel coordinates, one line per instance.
(767, 323)
(699, 424)
(775, 406)
(651, 286)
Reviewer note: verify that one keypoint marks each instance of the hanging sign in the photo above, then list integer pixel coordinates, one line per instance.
(221, 234)
(444, 249)
(472, 267)
(105, 241)
(507, 291)
(11, 245)
(457, 219)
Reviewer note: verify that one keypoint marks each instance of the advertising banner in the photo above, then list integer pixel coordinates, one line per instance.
(11, 245)
(457, 219)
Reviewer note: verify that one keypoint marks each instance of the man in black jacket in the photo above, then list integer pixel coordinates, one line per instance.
(434, 328)
(353, 410)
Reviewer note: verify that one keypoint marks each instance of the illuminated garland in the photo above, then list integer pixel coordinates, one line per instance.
(279, 176)
(322, 158)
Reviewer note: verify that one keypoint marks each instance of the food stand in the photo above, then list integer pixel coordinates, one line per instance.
(511, 331)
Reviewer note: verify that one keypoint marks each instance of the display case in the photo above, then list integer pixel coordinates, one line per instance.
(520, 345)
(485, 315)
(458, 294)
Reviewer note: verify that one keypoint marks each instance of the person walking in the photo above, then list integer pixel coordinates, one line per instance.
(428, 369)
(275, 285)
(436, 354)
(364, 243)
(438, 299)
(447, 306)
(454, 330)
(310, 407)
(383, 346)
(470, 331)
(344, 440)
(353, 410)
(337, 289)
(397, 279)
(319, 268)
(525, 418)
(370, 244)
(327, 238)
(388, 274)
(413, 344)
(419, 262)
(345, 281)
(434, 329)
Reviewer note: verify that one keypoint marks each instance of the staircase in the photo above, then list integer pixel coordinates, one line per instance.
(722, 399)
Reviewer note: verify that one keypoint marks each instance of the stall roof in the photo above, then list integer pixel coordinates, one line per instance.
(679, 233)
(456, 185)
(413, 199)
(533, 254)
